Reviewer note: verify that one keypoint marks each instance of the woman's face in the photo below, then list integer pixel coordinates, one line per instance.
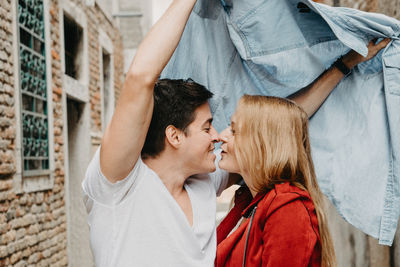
(228, 160)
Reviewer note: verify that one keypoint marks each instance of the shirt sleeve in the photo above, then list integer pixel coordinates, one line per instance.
(289, 231)
(97, 187)
(220, 177)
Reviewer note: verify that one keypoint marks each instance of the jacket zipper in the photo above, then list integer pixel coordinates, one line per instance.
(248, 234)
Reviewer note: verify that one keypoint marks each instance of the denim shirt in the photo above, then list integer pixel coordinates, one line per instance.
(277, 47)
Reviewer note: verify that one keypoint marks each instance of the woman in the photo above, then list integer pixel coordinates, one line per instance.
(267, 143)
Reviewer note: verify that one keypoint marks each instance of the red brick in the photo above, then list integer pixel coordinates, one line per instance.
(55, 55)
(57, 90)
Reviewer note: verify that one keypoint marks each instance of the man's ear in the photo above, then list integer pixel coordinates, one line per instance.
(173, 136)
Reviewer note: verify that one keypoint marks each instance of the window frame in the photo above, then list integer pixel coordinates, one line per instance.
(106, 47)
(34, 180)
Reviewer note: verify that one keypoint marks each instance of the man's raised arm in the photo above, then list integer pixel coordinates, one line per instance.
(311, 97)
(125, 135)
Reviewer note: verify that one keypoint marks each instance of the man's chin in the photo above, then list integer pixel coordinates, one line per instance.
(210, 167)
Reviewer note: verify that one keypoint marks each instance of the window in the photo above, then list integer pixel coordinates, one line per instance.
(107, 93)
(73, 46)
(34, 113)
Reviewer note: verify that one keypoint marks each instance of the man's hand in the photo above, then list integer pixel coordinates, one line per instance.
(352, 58)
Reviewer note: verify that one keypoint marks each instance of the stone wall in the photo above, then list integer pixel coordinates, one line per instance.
(33, 226)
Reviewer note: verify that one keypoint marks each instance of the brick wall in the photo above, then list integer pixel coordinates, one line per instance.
(388, 7)
(7, 121)
(370, 5)
(33, 225)
(96, 20)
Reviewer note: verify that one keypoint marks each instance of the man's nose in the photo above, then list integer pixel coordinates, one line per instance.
(214, 135)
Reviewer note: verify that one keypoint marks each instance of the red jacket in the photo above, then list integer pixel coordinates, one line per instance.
(283, 232)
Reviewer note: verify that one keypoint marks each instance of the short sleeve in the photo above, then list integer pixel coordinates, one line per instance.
(289, 231)
(220, 177)
(99, 188)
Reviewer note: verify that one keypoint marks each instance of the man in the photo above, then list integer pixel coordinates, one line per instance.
(145, 206)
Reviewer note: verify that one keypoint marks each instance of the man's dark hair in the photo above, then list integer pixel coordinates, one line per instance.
(175, 102)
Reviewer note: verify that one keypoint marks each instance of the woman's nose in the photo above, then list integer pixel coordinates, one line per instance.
(223, 135)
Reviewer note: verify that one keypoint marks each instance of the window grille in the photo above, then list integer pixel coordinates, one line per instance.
(35, 130)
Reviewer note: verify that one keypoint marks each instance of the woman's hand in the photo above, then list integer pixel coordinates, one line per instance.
(352, 58)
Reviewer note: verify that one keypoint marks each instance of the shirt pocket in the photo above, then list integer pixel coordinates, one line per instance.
(263, 31)
(392, 74)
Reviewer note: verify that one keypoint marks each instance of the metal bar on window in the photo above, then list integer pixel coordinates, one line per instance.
(35, 130)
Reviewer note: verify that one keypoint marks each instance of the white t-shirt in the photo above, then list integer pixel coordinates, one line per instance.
(137, 222)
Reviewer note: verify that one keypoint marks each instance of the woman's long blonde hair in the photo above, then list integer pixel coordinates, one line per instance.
(272, 146)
